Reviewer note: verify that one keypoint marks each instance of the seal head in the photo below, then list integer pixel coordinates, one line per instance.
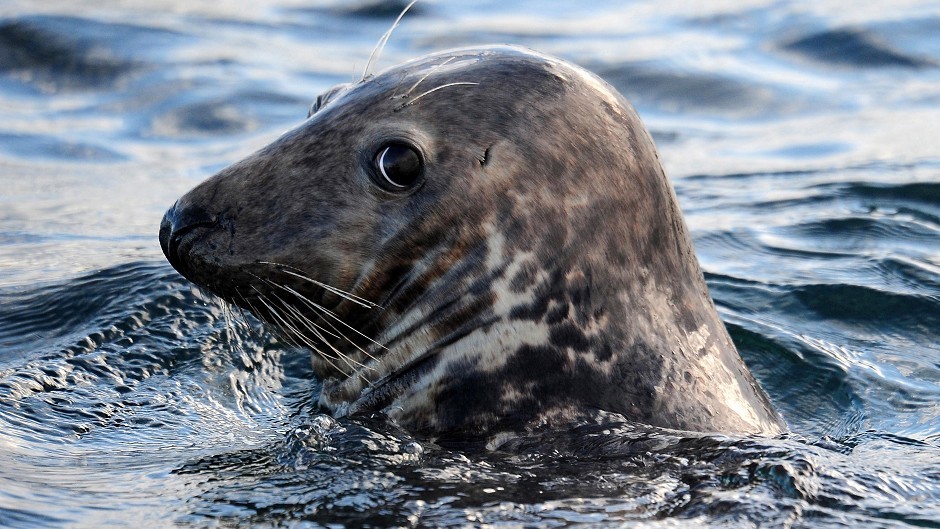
(477, 241)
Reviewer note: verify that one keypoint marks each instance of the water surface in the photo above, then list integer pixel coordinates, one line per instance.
(801, 138)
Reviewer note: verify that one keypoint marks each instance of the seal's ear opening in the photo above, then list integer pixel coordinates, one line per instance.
(315, 106)
(485, 157)
(324, 98)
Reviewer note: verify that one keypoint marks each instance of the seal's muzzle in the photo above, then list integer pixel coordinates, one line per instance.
(182, 225)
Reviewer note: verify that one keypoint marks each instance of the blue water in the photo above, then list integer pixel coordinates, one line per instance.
(803, 140)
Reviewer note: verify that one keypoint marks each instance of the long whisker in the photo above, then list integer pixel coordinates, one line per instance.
(245, 316)
(248, 302)
(232, 326)
(377, 51)
(296, 333)
(326, 312)
(265, 320)
(297, 316)
(432, 70)
(239, 318)
(287, 269)
(308, 344)
(227, 319)
(271, 310)
(413, 101)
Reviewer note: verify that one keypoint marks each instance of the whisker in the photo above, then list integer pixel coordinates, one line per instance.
(284, 323)
(339, 334)
(231, 334)
(287, 269)
(245, 320)
(413, 101)
(238, 318)
(377, 50)
(284, 336)
(241, 321)
(299, 316)
(354, 344)
(257, 313)
(296, 333)
(308, 344)
(265, 320)
(313, 327)
(326, 312)
(434, 69)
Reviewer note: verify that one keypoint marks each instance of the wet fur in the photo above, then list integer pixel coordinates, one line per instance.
(542, 273)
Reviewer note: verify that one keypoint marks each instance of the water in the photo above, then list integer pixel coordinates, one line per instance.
(802, 139)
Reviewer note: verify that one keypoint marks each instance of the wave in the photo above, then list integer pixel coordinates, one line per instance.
(852, 47)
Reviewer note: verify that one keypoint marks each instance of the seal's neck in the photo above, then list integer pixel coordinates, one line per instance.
(514, 340)
(428, 309)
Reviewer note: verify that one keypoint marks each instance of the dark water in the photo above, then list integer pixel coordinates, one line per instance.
(803, 140)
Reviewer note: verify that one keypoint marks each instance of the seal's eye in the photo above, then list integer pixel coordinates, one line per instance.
(398, 168)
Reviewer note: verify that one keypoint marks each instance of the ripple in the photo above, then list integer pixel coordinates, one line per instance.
(50, 148)
(689, 91)
(813, 392)
(851, 47)
(857, 235)
(913, 273)
(920, 192)
(126, 398)
(871, 307)
(64, 54)
(232, 114)
(381, 9)
(57, 310)
(203, 119)
(102, 357)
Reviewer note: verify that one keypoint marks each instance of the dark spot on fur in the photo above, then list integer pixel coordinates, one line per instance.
(566, 335)
(525, 277)
(533, 311)
(602, 350)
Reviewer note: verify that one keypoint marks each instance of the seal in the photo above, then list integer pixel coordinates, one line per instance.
(474, 242)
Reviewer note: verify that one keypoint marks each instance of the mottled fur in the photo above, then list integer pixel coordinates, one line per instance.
(541, 274)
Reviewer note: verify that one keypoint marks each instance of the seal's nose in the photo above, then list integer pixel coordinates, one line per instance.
(177, 222)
